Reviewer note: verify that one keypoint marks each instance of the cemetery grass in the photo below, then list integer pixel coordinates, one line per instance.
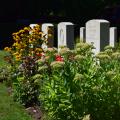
(9, 110)
(2, 55)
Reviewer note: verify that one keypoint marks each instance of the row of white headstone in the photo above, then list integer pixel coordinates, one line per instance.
(96, 31)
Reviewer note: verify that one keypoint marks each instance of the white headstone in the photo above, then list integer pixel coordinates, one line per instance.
(48, 29)
(97, 32)
(82, 34)
(113, 36)
(44, 46)
(66, 34)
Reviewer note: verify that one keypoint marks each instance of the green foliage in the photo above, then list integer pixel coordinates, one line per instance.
(23, 54)
(3, 55)
(70, 84)
(5, 69)
(26, 83)
(5, 75)
(81, 84)
(26, 92)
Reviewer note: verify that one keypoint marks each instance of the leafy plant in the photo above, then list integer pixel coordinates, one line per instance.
(80, 83)
(23, 54)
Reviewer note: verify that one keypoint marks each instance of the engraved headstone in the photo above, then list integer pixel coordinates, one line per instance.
(113, 36)
(97, 32)
(48, 30)
(82, 34)
(66, 35)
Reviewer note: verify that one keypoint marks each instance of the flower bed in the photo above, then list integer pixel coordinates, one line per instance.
(68, 84)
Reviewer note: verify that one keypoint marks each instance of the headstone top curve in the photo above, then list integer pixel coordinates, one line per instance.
(48, 24)
(98, 20)
(66, 23)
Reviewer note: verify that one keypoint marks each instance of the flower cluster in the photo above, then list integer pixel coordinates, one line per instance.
(27, 42)
(59, 58)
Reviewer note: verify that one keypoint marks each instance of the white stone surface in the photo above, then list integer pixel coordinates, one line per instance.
(97, 32)
(82, 34)
(66, 35)
(48, 28)
(113, 36)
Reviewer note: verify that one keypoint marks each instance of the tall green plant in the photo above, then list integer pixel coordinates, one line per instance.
(80, 83)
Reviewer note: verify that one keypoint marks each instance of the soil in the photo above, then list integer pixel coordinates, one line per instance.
(35, 112)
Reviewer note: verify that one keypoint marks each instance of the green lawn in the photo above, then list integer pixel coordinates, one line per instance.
(9, 110)
(2, 54)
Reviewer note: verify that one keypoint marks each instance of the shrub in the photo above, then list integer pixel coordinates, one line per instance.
(79, 83)
(70, 84)
(25, 51)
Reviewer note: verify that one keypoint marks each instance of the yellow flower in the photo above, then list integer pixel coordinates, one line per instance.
(38, 50)
(7, 49)
(30, 41)
(21, 31)
(16, 53)
(40, 33)
(18, 57)
(21, 50)
(15, 44)
(14, 34)
(26, 28)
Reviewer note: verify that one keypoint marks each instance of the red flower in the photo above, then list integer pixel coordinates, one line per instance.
(40, 54)
(59, 58)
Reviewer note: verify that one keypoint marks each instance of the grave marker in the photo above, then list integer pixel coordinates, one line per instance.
(66, 34)
(82, 34)
(48, 29)
(113, 36)
(97, 32)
